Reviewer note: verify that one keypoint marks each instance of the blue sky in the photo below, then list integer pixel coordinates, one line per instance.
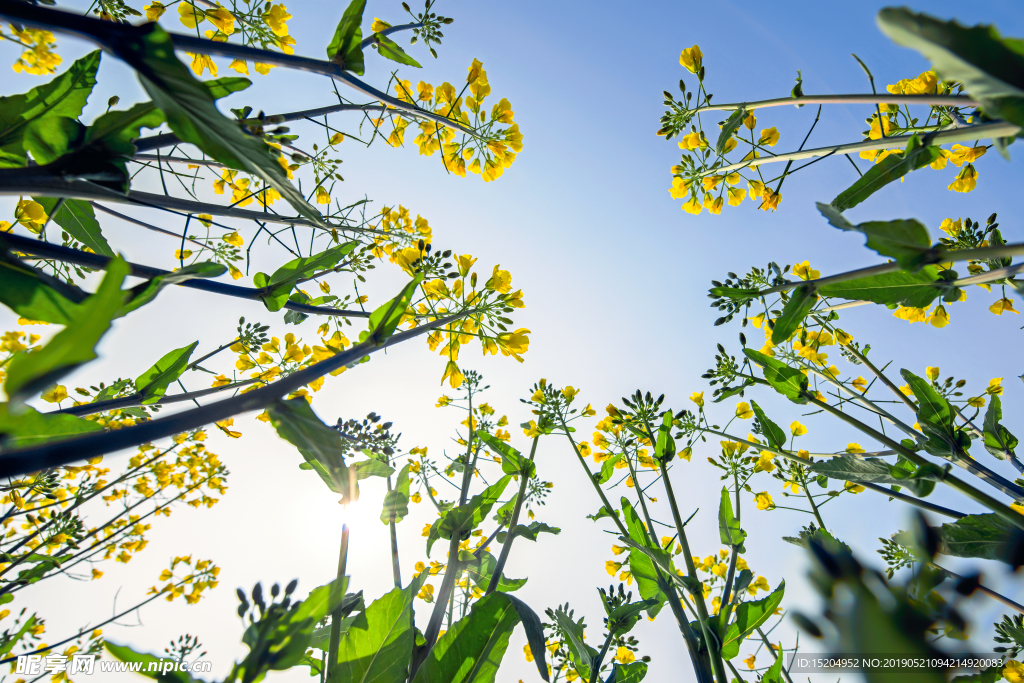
(614, 276)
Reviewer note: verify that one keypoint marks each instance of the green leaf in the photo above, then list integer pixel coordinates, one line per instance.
(788, 381)
(319, 445)
(915, 290)
(371, 468)
(389, 49)
(989, 67)
(75, 344)
(634, 672)
(533, 529)
(774, 672)
(534, 634)
(345, 48)
(222, 87)
(731, 125)
(907, 241)
(154, 382)
(512, 461)
(279, 285)
(472, 650)
(378, 648)
(607, 469)
(733, 391)
(641, 566)
(889, 169)
(64, 96)
(464, 518)
(582, 655)
(801, 301)
(749, 615)
(998, 439)
(126, 654)
(985, 536)
(385, 319)
(28, 427)
(921, 480)
(769, 430)
(734, 293)
(36, 295)
(193, 116)
(665, 446)
(935, 415)
(623, 618)
(141, 294)
(728, 526)
(481, 569)
(78, 219)
(396, 502)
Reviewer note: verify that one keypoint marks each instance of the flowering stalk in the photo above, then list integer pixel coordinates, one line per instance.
(933, 100)
(338, 615)
(136, 399)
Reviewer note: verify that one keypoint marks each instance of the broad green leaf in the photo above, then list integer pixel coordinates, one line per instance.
(907, 240)
(731, 125)
(389, 49)
(889, 169)
(396, 502)
(49, 137)
(917, 290)
(125, 653)
(307, 266)
(733, 391)
(728, 526)
(582, 655)
(801, 301)
(78, 219)
(345, 48)
(774, 672)
(935, 415)
(734, 293)
(29, 427)
(371, 468)
(481, 569)
(222, 87)
(788, 381)
(319, 445)
(75, 344)
(989, 67)
(769, 430)
(634, 672)
(141, 294)
(623, 618)
(512, 461)
(921, 480)
(36, 295)
(998, 439)
(154, 382)
(193, 116)
(534, 634)
(533, 529)
(472, 650)
(378, 649)
(641, 566)
(749, 615)
(985, 536)
(464, 518)
(385, 319)
(607, 469)
(64, 96)
(665, 446)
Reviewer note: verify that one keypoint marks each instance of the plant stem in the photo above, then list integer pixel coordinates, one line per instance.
(136, 400)
(17, 462)
(595, 670)
(771, 649)
(881, 376)
(1001, 510)
(396, 568)
(981, 589)
(507, 547)
(810, 499)
(933, 100)
(336, 616)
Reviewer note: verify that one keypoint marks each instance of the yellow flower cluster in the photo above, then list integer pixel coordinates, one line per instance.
(487, 154)
(38, 57)
(201, 576)
(274, 360)
(243, 189)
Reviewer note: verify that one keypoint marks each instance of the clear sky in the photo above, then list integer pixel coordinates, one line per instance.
(614, 276)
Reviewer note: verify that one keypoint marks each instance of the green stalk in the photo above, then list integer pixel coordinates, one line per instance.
(727, 591)
(507, 547)
(810, 499)
(595, 671)
(336, 616)
(771, 649)
(392, 527)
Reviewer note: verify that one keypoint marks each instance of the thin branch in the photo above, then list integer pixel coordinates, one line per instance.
(933, 100)
(32, 247)
(136, 399)
(136, 221)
